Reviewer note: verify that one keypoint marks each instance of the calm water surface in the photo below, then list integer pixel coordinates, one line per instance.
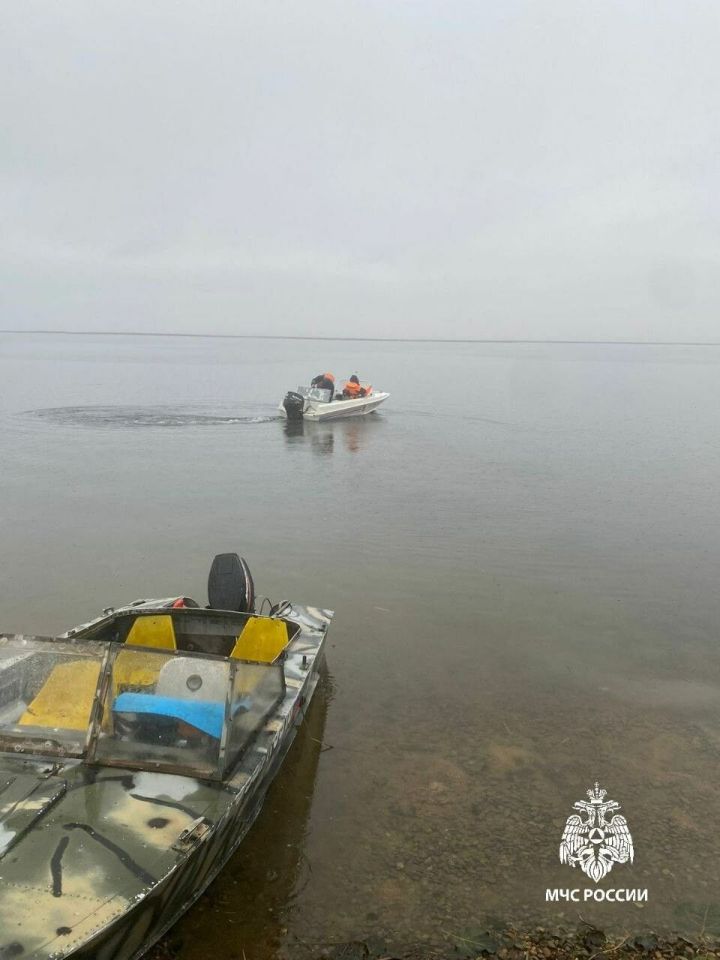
(523, 553)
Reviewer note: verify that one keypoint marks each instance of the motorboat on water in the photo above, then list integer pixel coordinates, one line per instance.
(313, 403)
(135, 754)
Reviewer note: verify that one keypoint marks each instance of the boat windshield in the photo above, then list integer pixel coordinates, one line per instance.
(312, 393)
(132, 706)
(47, 692)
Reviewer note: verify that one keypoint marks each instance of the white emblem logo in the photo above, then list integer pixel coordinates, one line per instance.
(596, 844)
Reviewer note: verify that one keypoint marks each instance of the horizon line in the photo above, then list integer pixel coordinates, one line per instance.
(270, 336)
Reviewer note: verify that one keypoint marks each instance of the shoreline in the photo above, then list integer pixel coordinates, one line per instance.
(586, 942)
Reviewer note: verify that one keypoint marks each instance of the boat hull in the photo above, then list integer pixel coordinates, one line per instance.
(111, 857)
(131, 936)
(340, 409)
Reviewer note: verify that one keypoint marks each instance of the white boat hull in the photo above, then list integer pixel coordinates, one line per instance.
(336, 409)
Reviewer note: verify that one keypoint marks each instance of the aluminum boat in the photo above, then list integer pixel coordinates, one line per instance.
(135, 753)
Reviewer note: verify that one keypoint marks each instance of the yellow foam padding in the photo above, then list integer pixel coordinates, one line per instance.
(66, 698)
(261, 640)
(133, 669)
(157, 632)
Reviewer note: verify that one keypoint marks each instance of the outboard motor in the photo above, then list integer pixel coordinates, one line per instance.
(230, 584)
(294, 404)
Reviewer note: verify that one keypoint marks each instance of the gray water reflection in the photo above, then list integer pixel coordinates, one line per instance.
(354, 434)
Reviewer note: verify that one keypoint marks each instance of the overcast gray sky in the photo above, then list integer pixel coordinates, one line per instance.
(436, 168)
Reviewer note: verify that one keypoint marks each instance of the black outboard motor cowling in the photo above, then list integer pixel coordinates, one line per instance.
(230, 584)
(294, 404)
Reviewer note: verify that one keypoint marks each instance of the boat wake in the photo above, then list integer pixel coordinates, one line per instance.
(127, 416)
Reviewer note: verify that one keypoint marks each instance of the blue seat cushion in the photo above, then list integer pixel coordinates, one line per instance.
(205, 715)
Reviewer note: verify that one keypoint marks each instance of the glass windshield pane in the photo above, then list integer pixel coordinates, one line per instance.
(257, 687)
(314, 393)
(47, 690)
(163, 711)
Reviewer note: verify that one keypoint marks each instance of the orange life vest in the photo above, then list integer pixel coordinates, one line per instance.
(351, 389)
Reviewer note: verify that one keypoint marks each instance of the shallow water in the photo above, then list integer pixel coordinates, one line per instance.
(523, 551)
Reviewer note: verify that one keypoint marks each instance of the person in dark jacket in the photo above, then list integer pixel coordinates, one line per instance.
(324, 381)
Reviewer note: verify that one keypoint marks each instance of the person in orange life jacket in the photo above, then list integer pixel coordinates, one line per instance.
(352, 389)
(324, 381)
